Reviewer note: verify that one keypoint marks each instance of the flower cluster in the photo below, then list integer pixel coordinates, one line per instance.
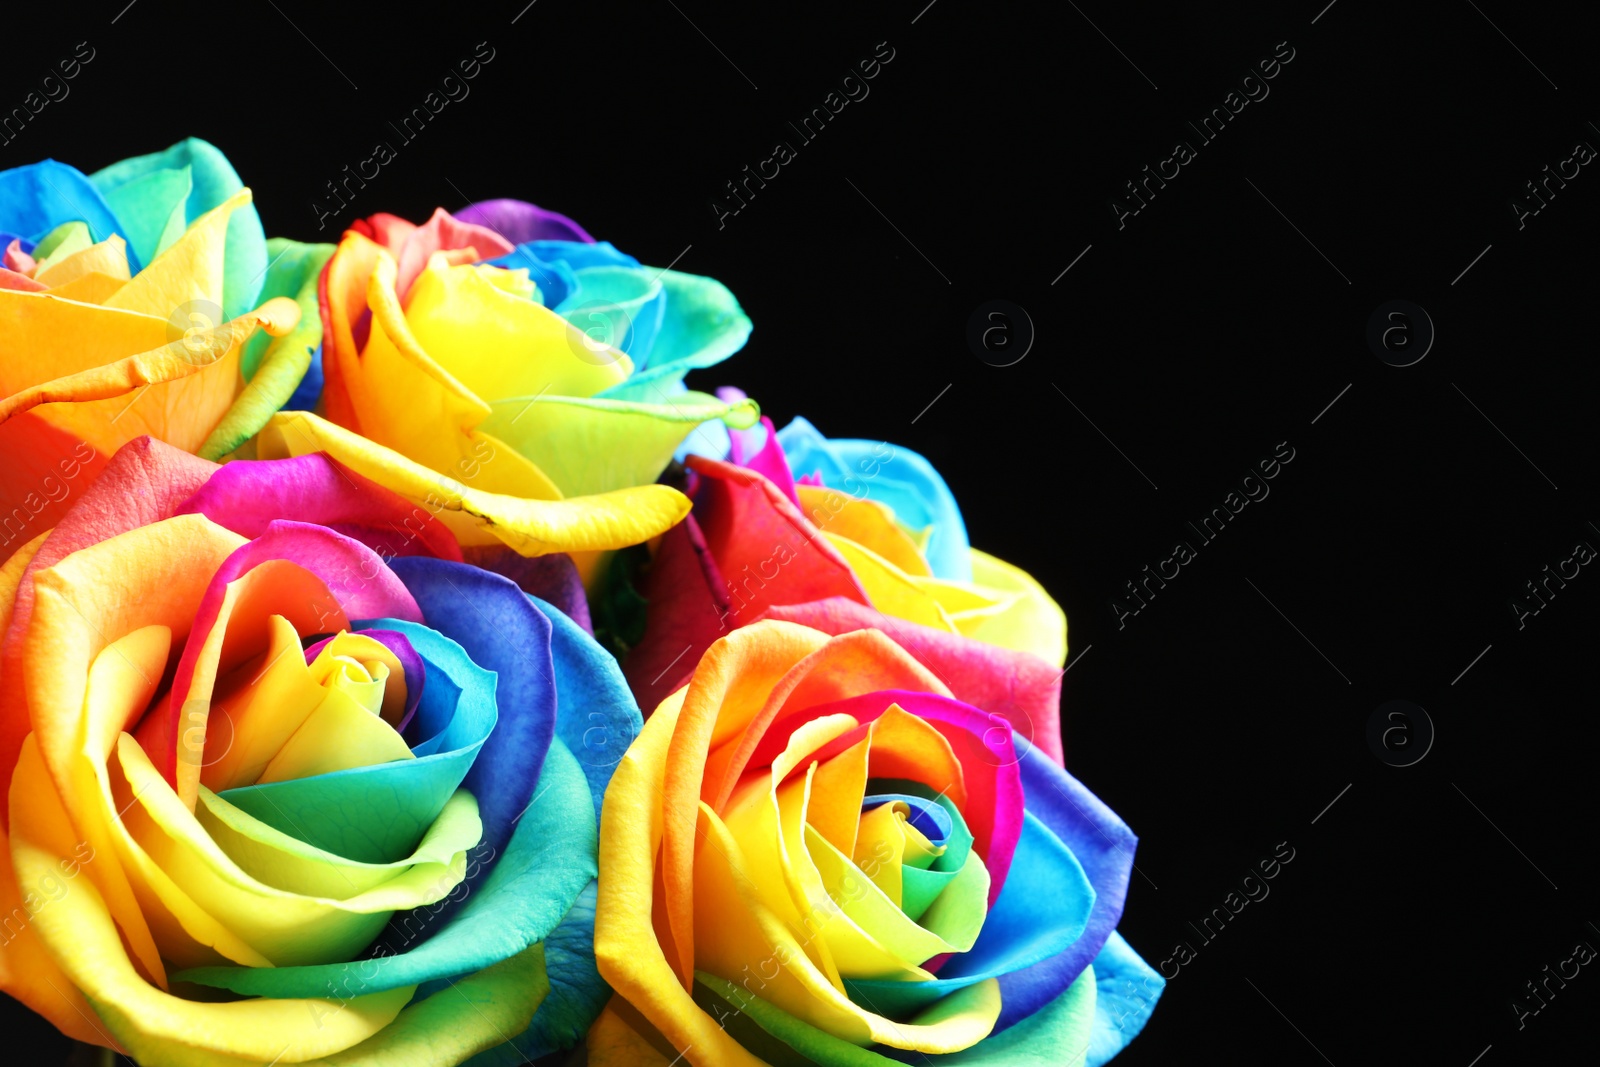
(388, 676)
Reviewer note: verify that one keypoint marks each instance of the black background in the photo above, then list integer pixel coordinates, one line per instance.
(1218, 322)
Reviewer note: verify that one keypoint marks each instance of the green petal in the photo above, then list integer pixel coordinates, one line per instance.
(920, 888)
(383, 810)
(957, 914)
(594, 445)
(275, 858)
(65, 240)
(549, 861)
(460, 1021)
(274, 366)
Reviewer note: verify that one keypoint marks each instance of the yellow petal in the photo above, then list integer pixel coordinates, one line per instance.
(26, 970)
(109, 257)
(156, 1027)
(629, 956)
(271, 588)
(338, 735)
(153, 576)
(890, 589)
(613, 1040)
(866, 522)
(11, 575)
(500, 344)
(532, 527)
(91, 288)
(184, 386)
(1031, 620)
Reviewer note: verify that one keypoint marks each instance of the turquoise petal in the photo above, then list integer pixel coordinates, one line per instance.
(214, 180)
(1128, 989)
(702, 325)
(1057, 1035)
(547, 864)
(619, 306)
(577, 992)
(152, 210)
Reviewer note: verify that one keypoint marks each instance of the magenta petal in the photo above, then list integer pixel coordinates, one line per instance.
(247, 497)
(768, 461)
(520, 222)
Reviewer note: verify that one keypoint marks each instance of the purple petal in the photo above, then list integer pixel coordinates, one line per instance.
(553, 578)
(520, 222)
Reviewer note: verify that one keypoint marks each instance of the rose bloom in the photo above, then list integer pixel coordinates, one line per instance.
(869, 535)
(141, 299)
(507, 331)
(817, 851)
(290, 778)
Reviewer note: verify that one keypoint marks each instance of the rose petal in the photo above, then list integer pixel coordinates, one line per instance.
(518, 221)
(905, 481)
(1104, 847)
(213, 182)
(1023, 688)
(477, 517)
(249, 497)
(552, 578)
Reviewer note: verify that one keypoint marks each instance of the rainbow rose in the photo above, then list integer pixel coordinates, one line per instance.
(870, 535)
(507, 331)
(816, 852)
(143, 299)
(291, 779)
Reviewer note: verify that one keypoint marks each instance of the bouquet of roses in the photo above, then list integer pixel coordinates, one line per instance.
(400, 664)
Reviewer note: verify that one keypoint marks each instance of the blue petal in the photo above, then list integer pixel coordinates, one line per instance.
(309, 390)
(1127, 989)
(37, 198)
(1103, 846)
(581, 255)
(930, 819)
(501, 629)
(596, 714)
(553, 277)
(905, 482)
